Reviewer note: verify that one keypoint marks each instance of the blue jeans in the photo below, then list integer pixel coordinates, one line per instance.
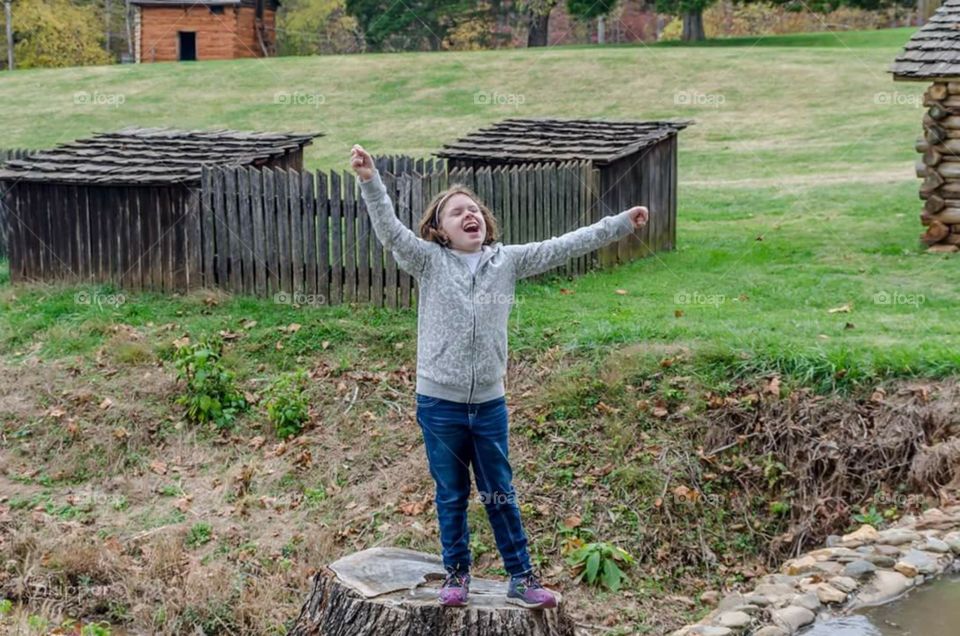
(457, 435)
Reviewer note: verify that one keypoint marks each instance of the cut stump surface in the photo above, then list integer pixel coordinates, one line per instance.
(393, 592)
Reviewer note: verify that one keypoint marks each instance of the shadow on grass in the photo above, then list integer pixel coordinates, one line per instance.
(882, 38)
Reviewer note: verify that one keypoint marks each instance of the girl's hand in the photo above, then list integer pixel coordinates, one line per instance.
(361, 162)
(639, 215)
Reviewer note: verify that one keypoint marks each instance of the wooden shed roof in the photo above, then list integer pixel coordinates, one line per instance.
(202, 3)
(934, 50)
(538, 140)
(151, 156)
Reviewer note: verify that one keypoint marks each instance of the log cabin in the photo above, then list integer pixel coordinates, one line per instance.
(125, 207)
(190, 30)
(933, 56)
(633, 163)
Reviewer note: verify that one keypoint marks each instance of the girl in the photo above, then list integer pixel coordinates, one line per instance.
(466, 282)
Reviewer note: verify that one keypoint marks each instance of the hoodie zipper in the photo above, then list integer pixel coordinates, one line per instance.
(473, 334)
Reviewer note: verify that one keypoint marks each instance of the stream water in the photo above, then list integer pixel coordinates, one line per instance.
(933, 609)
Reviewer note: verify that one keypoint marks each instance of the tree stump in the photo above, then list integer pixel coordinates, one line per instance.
(393, 592)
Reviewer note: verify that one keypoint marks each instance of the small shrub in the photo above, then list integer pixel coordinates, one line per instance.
(199, 534)
(96, 629)
(599, 563)
(287, 406)
(210, 394)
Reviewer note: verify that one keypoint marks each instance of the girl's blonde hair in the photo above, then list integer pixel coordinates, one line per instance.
(430, 221)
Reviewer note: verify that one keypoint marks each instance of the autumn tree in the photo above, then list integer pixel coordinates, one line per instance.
(311, 27)
(56, 33)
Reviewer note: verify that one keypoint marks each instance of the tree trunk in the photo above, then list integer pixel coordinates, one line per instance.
(9, 19)
(107, 10)
(128, 28)
(393, 592)
(601, 30)
(693, 26)
(537, 33)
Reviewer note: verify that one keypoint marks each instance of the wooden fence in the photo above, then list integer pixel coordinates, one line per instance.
(306, 238)
(298, 237)
(5, 154)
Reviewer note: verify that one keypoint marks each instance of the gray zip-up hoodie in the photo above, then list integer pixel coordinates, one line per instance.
(462, 316)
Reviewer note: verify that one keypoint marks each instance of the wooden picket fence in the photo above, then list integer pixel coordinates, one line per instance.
(6, 154)
(306, 238)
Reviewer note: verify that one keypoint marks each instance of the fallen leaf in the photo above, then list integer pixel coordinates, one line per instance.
(56, 412)
(249, 324)
(573, 521)
(412, 508)
(842, 309)
(622, 292)
(566, 292)
(678, 313)
(773, 387)
(159, 467)
(107, 403)
(324, 344)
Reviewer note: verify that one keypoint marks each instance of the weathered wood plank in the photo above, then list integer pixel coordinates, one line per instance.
(270, 231)
(349, 239)
(391, 283)
(244, 230)
(336, 233)
(323, 236)
(309, 230)
(283, 231)
(294, 189)
(169, 234)
(194, 260)
(207, 228)
(234, 268)
(260, 284)
(220, 227)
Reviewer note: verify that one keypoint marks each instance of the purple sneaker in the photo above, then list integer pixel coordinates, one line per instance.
(453, 592)
(526, 591)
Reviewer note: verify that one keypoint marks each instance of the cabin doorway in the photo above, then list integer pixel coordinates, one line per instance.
(188, 46)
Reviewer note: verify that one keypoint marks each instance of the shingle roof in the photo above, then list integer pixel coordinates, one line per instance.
(202, 3)
(533, 140)
(150, 156)
(934, 50)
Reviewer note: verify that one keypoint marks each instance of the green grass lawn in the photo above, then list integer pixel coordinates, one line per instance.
(797, 192)
(797, 254)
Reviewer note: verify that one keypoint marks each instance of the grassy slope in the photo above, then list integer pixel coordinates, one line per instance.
(799, 153)
(796, 190)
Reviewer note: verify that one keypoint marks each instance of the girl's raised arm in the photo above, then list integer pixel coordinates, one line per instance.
(531, 259)
(410, 251)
